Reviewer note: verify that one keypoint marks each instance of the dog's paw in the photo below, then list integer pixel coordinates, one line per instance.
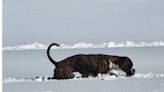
(113, 72)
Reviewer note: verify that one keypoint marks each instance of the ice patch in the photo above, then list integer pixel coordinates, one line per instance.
(86, 45)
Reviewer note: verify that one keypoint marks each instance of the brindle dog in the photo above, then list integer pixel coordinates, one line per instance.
(91, 64)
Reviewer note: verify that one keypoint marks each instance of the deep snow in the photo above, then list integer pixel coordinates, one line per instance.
(21, 67)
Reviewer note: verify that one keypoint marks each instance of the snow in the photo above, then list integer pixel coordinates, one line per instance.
(104, 77)
(37, 45)
(26, 67)
(28, 71)
(88, 85)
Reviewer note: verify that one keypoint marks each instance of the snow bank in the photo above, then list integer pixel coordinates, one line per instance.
(86, 45)
(27, 46)
(99, 77)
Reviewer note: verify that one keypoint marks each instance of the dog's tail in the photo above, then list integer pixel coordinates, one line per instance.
(48, 53)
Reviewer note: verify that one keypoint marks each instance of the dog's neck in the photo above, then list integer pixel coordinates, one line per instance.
(113, 66)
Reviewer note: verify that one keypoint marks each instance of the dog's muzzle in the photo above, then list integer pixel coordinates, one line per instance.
(132, 71)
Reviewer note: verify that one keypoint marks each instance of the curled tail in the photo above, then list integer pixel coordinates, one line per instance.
(48, 53)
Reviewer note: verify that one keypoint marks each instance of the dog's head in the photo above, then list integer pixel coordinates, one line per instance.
(130, 72)
(126, 65)
(133, 71)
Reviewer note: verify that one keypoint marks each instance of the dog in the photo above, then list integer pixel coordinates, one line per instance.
(89, 65)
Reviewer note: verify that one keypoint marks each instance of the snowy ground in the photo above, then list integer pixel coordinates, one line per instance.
(90, 21)
(134, 84)
(21, 67)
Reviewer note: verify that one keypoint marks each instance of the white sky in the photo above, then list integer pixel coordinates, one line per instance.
(71, 21)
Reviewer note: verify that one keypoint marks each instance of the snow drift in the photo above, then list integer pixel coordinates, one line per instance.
(37, 45)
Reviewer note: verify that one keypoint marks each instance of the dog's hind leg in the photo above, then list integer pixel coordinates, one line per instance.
(63, 73)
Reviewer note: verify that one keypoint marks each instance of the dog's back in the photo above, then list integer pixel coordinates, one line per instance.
(91, 64)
